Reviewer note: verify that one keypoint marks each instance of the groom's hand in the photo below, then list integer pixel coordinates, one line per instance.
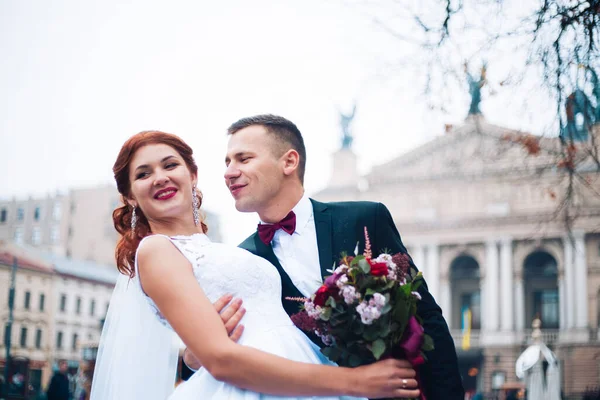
(231, 318)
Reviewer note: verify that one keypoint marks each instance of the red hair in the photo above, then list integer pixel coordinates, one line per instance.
(130, 238)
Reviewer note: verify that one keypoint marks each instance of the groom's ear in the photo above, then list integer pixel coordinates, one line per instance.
(291, 161)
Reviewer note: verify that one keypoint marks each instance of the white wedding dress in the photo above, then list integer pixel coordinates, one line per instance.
(221, 269)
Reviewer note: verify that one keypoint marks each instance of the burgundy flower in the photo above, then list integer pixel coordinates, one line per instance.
(402, 262)
(304, 322)
(378, 268)
(321, 296)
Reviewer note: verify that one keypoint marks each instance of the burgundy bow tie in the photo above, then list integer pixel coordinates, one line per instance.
(267, 231)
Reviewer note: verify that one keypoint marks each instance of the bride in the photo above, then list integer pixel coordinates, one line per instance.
(171, 274)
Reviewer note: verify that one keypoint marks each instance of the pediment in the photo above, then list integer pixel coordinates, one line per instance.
(474, 149)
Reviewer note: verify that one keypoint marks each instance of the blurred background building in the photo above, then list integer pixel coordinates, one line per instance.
(76, 225)
(483, 212)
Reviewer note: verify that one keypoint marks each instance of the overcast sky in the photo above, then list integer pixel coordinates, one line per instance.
(77, 78)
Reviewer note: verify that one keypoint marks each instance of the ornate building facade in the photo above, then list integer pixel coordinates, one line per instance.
(485, 221)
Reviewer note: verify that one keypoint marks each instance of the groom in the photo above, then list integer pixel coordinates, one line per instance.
(303, 238)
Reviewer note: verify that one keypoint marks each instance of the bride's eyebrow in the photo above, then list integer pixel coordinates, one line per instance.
(162, 161)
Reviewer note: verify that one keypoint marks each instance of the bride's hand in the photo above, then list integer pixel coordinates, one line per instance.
(387, 379)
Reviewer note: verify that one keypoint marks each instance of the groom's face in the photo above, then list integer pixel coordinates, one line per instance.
(254, 173)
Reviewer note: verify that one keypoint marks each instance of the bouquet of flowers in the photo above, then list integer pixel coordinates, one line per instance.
(367, 310)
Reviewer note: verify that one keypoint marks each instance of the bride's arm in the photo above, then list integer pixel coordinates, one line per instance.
(167, 277)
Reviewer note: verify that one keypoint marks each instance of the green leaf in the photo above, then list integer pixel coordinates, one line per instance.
(385, 330)
(386, 309)
(330, 302)
(332, 353)
(371, 292)
(378, 348)
(358, 329)
(325, 314)
(371, 334)
(354, 361)
(427, 343)
(401, 313)
(364, 266)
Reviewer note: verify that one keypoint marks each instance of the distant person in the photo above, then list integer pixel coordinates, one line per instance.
(58, 389)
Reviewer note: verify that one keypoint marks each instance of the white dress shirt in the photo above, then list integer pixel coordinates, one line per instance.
(298, 253)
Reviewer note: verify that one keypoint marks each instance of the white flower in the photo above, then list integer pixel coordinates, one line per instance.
(378, 300)
(417, 295)
(350, 295)
(326, 339)
(368, 313)
(313, 311)
(343, 280)
(392, 275)
(386, 258)
(341, 269)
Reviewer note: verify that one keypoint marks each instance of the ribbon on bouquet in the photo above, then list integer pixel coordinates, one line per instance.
(411, 343)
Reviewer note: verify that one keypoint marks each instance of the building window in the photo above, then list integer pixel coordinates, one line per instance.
(56, 212)
(38, 339)
(37, 213)
(63, 302)
(23, 339)
(545, 307)
(74, 342)
(36, 235)
(18, 235)
(471, 304)
(59, 340)
(54, 234)
(92, 307)
(3, 216)
(20, 214)
(27, 300)
(42, 301)
(78, 306)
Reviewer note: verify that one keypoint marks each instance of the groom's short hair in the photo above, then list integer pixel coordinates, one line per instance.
(286, 134)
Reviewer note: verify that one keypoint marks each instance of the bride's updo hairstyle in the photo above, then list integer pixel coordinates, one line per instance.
(130, 238)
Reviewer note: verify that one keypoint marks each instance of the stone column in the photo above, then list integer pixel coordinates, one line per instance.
(491, 285)
(562, 299)
(433, 270)
(568, 284)
(519, 301)
(445, 301)
(580, 282)
(506, 282)
(418, 256)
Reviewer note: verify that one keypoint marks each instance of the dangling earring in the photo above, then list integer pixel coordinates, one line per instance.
(195, 206)
(133, 220)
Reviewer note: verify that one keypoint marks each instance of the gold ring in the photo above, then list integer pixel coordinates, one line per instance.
(404, 382)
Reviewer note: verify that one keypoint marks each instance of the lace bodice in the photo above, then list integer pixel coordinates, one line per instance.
(221, 269)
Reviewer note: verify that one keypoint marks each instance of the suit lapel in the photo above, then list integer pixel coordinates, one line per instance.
(322, 216)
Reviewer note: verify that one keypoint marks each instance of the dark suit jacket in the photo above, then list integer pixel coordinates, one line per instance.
(339, 227)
